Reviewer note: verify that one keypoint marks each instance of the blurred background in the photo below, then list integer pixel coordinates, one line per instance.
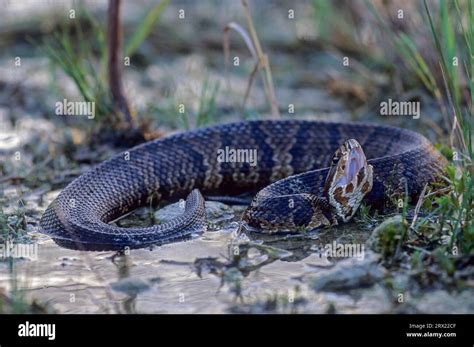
(389, 45)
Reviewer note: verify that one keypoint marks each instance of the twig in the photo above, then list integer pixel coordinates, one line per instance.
(421, 199)
(114, 46)
(248, 41)
(261, 59)
(249, 84)
(443, 190)
(455, 125)
(263, 63)
(419, 249)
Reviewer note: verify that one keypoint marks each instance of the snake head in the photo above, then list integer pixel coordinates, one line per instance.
(349, 179)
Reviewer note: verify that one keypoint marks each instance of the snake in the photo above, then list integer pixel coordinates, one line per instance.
(303, 175)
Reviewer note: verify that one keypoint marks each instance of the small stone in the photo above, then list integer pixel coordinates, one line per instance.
(349, 274)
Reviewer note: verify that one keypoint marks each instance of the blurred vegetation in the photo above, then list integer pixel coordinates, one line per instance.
(435, 42)
(16, 301)
(84, 57)
(145, 27)
(13, 225)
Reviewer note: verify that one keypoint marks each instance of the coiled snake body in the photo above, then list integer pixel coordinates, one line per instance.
(295, 154)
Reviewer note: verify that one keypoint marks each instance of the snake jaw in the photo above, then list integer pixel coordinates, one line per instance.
(349, 180)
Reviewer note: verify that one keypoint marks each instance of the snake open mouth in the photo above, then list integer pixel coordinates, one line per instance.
(350, 179)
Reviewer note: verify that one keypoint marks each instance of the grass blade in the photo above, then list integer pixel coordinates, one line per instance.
(145, 28)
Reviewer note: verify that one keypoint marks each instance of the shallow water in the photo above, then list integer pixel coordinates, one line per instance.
(165, 279)
(268, 274)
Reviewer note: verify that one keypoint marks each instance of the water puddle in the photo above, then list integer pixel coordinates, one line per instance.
(211, 273)
(220, 271)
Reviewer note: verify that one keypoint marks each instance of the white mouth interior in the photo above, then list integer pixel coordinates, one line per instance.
(355, 162)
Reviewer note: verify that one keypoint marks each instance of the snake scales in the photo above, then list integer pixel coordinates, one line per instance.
(183, 165)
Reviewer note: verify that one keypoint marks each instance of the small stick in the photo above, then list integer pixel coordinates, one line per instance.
(248, 41)
(421, 199)
(114, 47)
(263, 62)
(439, 191)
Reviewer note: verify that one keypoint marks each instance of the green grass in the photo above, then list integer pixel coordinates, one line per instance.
(16, 302)
(457, 206)
(445, 32)
(406, 48)
(145, 27)
(452, 212)
(203, 115)
(14, 225)
(328, 26)
(207, 112)
(84, 58)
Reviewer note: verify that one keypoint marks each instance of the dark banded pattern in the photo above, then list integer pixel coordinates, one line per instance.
(186, 165)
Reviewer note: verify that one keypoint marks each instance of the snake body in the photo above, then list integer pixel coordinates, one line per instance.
(292, 157)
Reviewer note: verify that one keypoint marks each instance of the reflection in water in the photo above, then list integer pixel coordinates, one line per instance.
(303, 245)
(122, 261)
(209, 274)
